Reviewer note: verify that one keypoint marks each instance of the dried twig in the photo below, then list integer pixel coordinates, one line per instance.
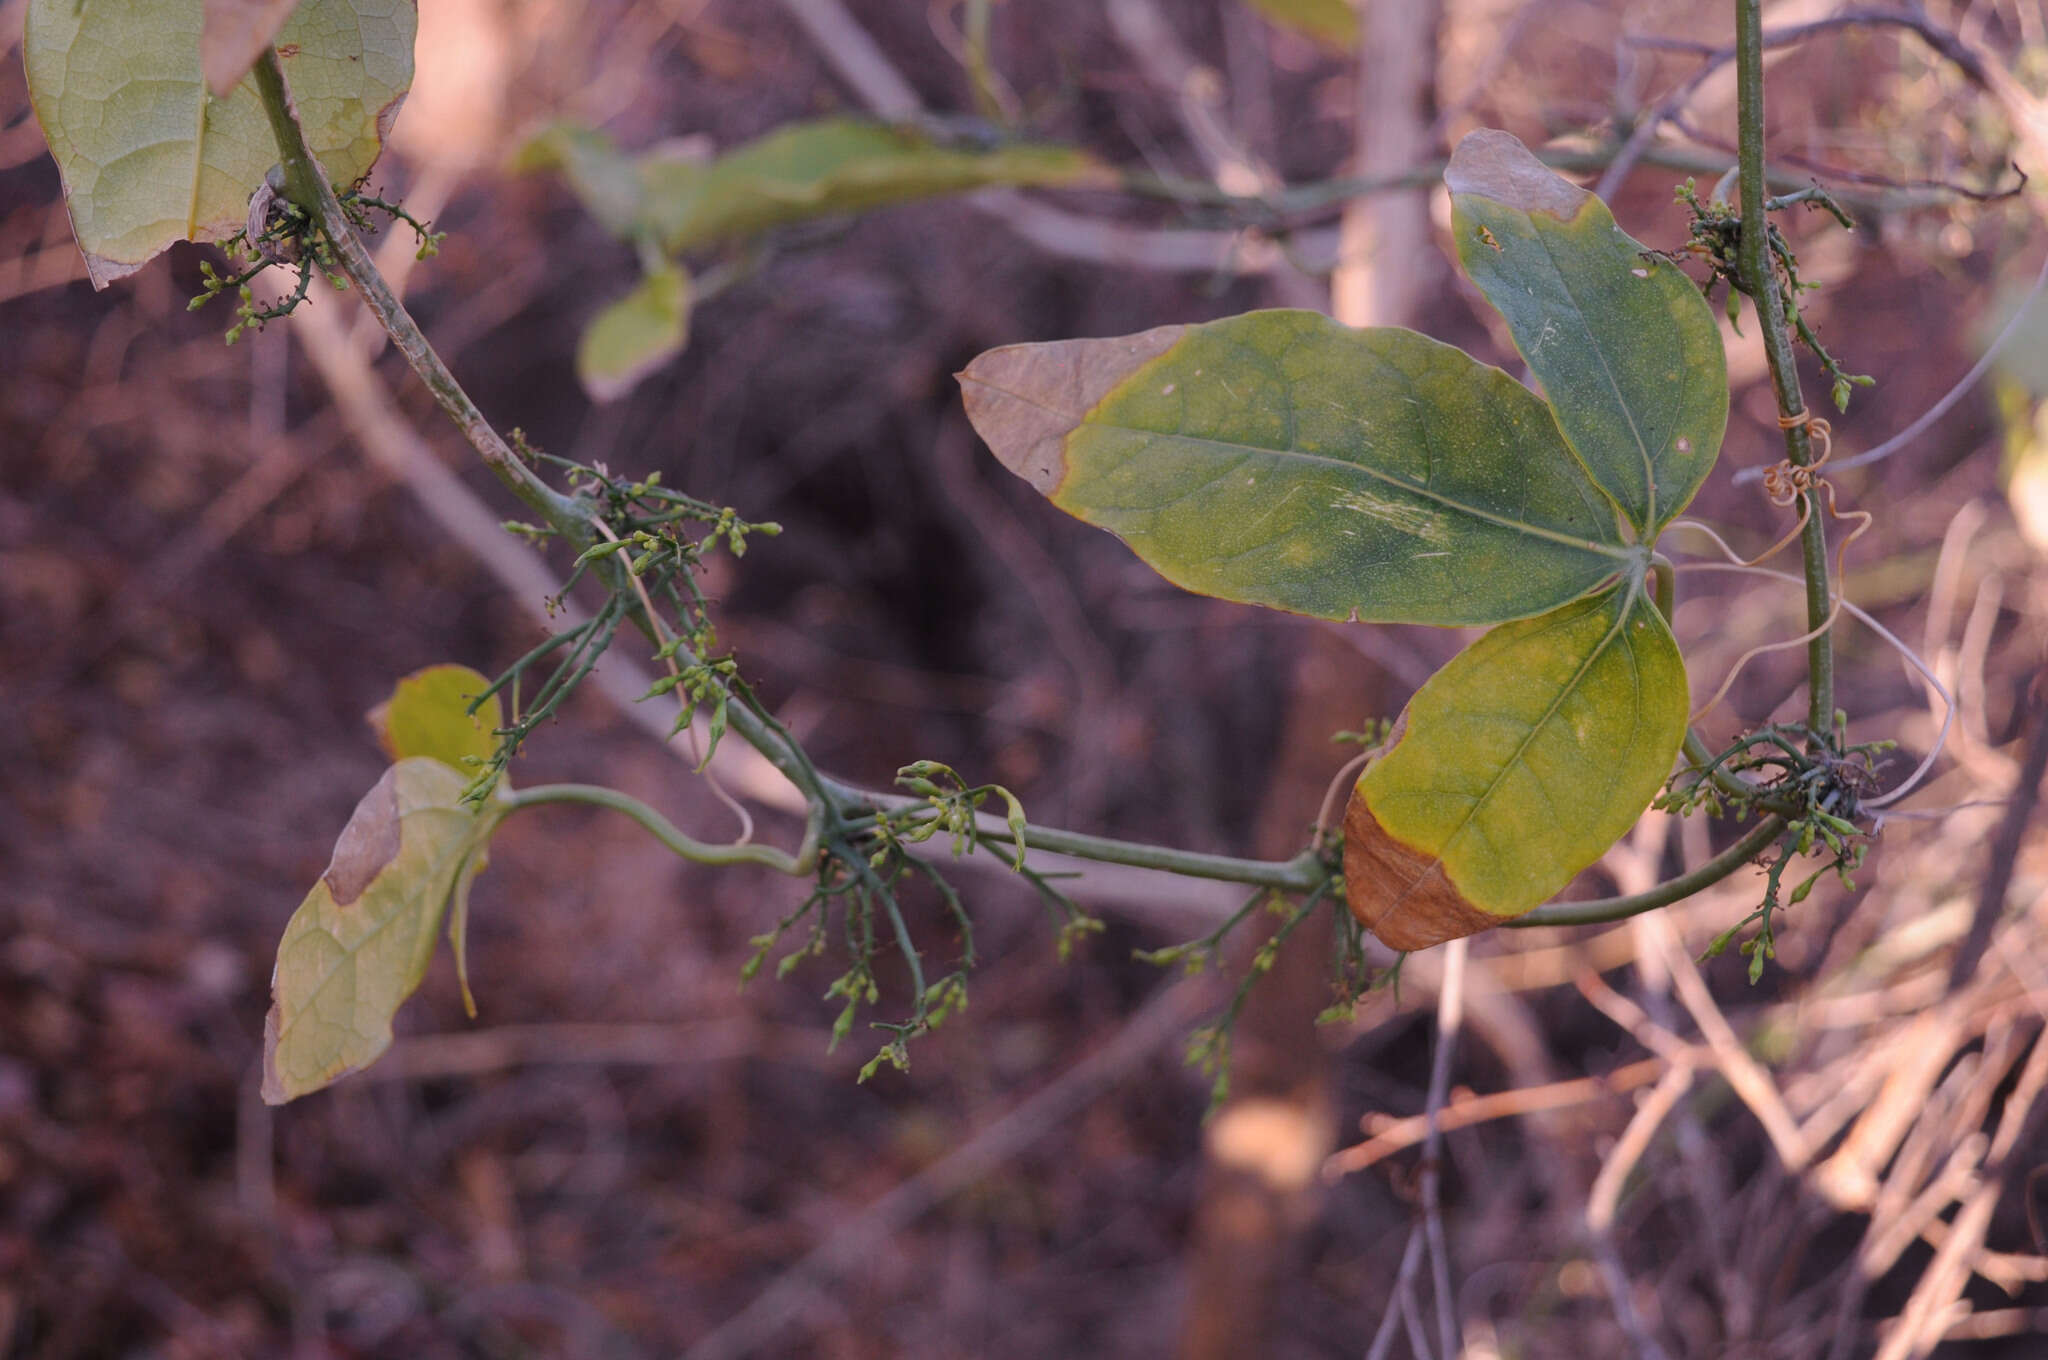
(1634, 1141)
(1398, 1298)
(2005, 847)
(1450, 1018)
(1389, 1136)
(1714, 59)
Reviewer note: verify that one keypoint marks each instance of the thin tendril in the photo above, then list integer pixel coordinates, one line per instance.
(1728, 681)
(1912, 659)
(1942, 407)
(1935, 813)
(1789, 484)
(1339, 782)
(1766, 555)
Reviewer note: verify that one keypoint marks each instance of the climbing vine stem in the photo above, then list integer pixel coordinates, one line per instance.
(305, 184)
(856, 840)
(1664, 894)
(832, 802)
(1758, 278)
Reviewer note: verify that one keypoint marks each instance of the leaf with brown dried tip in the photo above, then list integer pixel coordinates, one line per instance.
(358, 945)
(1513, 768)
(1279, 458)
(235, 34)
(1024, 400)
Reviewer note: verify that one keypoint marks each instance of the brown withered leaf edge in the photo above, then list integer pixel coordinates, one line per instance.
(368, 843)
(1496, 165)
(1024, 400)
(1397, 892)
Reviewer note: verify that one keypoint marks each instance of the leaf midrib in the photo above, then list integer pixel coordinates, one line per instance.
(1628, 415)
(1618, 550)
(1464, 823)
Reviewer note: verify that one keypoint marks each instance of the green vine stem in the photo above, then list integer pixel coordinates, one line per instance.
(1305, 872)
(1759, 280)
(833, 805)
(682, 843)
(305, 184)
(1664, 894)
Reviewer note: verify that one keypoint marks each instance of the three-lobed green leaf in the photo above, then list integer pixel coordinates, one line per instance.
(150, 156)
(1277, 458)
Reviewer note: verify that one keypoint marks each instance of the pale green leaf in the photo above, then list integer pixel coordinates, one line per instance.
(837, 165)
(358, 945)
(1513, 768)
(427, 715)
(805, 170)
(604, 177)
(1333, 23)
(635, 335)
(149, 156)
(1623, 343)
(1280, 458)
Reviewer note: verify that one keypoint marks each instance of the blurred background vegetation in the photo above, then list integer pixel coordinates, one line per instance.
(213, 560)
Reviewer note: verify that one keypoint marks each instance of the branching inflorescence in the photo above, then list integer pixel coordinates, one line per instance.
(281, 233)
(864, 852)
(1716, 238)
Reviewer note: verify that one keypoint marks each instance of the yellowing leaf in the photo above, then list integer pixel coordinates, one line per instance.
(235, 34)
(2026, 487)
(358, 945)
(149, 156)
(427, 715)
(1513, 768)
(634, 336)
(1333, 23)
